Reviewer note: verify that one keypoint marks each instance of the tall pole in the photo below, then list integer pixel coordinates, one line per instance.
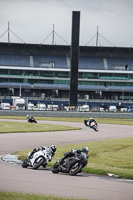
(74, 58)
(20, 91)
(53, 36)
(8, 32)
(97, 37)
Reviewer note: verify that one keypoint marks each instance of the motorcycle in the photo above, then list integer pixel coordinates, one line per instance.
(71, 165)
(39, 158)
(93, 125)
(32, 120)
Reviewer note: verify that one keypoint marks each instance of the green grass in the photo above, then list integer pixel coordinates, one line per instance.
(15, 127)
(107, 156)
(71, 119)
(113, 156)
(20, 196)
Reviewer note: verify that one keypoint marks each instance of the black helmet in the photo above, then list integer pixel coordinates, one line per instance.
(53, 147)
(85, 150)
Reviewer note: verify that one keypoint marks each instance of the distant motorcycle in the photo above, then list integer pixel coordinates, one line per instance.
(40, 158)
(93, 125)
(31, 119)
(71, 165)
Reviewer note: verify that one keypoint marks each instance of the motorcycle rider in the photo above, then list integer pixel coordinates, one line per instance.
(74, 152)
(89, 121)
(50, 150)
(30, 118)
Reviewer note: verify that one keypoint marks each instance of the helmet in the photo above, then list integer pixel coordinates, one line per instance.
(27, 116)
(53, 147)
(85, 150)
(90, 117)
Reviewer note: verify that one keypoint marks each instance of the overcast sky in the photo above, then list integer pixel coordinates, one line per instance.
(32, 21)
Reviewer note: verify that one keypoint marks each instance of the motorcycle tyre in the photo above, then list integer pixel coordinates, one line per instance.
(36, 166)
(24, 164)
(55, 168)
(77, 171)
(96, 129)
(44, 165)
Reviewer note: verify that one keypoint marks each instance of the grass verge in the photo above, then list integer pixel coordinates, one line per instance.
(107, 156)
(15, 127)
(72, 119)
(20, 196)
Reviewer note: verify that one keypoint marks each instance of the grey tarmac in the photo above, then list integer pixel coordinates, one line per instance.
(14, 178)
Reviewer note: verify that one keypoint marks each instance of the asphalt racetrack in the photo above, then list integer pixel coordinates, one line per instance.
(14, 178)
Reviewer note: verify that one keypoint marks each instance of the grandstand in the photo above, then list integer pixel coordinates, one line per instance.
(105, 73)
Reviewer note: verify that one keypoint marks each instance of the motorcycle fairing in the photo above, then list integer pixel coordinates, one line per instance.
(36, 156)
(70, 161)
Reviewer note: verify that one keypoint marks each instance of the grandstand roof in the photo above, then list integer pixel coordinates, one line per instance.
(98, 51)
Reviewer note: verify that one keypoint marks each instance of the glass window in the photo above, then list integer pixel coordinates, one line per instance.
(80, 74)
(4, 71)
(87, 75)
(3, 80)
(61, 82)
(16, 72)
(62, 74)
(106, 76)
(31, 73)
(130, 76)
(15, 80)
(120, 76)
(87, 83)
(46, 73)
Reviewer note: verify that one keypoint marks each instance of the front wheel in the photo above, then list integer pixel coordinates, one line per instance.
(38, 163)
(55, 168)
(76, 168)
(25, 164)
(96, 129)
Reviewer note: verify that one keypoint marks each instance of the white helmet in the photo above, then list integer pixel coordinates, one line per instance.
(85, 150)
(27, 116)
(53, 147)
(90, 118)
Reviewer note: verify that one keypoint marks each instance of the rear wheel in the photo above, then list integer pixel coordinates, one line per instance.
(44, 165)
(38, 163)
(76, 168)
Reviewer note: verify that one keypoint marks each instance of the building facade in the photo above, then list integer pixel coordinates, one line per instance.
(105, 73)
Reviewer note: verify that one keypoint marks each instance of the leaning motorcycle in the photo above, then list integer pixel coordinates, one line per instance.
(71, 165)
(40, 158)
(93, 125)
(32, 120)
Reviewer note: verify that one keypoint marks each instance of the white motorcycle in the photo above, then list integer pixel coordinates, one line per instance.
(93, 125)
(39, 158)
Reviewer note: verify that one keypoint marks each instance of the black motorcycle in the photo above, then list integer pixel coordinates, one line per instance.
(71, 165)
(32, 120)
